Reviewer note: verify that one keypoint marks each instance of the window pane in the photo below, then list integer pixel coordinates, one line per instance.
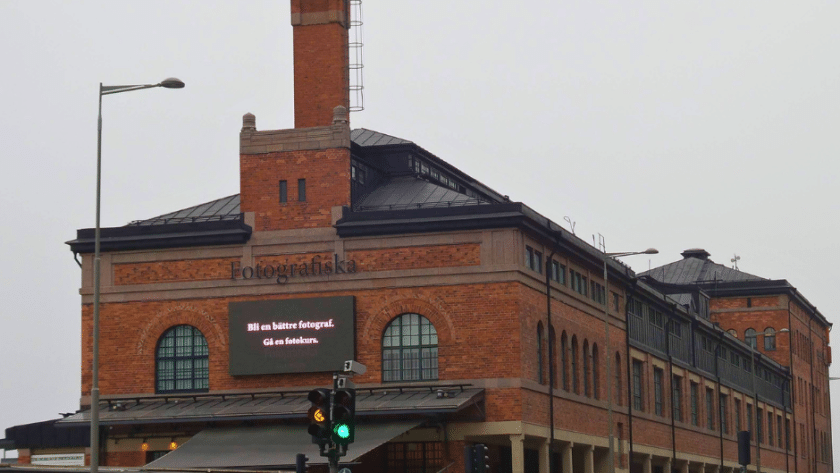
(409, 349)
(182, 360)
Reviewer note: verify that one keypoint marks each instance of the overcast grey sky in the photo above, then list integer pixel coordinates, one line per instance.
(655, 123)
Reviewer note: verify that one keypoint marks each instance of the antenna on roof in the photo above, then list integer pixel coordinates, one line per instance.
(571, 224)
(735, 262)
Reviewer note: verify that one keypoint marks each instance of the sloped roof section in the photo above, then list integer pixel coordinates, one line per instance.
(368, 138)
(409, 192)
(697, 267)
(226, 208)
(397, 401)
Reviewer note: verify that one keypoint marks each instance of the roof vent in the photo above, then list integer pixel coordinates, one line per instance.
(698, 253)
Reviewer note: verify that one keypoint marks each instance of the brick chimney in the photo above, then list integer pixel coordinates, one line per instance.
(300, 178)
(321, 60)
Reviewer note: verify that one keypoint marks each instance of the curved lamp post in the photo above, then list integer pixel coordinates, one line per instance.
(608, 349)
(170, 83)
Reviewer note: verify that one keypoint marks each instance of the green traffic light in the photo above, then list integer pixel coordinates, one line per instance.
(342, 430)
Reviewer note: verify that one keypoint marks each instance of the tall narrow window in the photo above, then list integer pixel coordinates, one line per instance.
(575, 386)
(586, 371)
(694, 404)
(410, 349)
(759, 426)
(724, 424)
(637, 386)
(678, 398)
(738, 415)
(618, 378)
(770, 428)
(657, 391)
(595, 371)
(540, 374)
(182, 361)
(301, 190)
(710, 409)
(769, 339)
(750, 421)
(750, 338)
(284, 192)
(779, 429)
(552, 362)
(564, 360)
(558, 272)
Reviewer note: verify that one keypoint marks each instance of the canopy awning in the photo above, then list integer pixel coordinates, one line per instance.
(266, 447)
(388, 401)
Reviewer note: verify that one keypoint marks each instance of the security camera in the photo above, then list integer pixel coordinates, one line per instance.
(351, 366)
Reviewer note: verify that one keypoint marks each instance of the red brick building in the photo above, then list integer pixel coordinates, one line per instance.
(479, 321)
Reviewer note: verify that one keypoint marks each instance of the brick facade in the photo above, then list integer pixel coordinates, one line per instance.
(487, 305)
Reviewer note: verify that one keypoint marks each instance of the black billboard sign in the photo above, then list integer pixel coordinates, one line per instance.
(291, 336)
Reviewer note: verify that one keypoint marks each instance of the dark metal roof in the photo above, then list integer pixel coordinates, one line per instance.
(367, 138)
(230, 231)
(209, 407)
(46, 435)
(696, 267)
(409, 192)
(226, 208)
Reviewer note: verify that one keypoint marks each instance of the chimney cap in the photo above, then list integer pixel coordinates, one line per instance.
(249, 122)
(340, 115)
(698, 253)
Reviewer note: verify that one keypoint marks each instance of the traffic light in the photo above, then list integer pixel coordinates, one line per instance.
(319, 415)
(480, 460)
(469, 453)
(343, 416)
(300, 463)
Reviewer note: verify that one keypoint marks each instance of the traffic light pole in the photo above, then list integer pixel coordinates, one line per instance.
(335, 451)
(332, 415)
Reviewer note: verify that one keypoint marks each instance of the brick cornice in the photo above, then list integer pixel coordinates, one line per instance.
(297, 139)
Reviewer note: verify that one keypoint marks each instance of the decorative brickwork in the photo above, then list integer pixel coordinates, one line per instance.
(172, 271)
(417, 257)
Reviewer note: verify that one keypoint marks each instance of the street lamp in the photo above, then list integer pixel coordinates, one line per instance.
(170, 83)
(755, 392)
(608, 350)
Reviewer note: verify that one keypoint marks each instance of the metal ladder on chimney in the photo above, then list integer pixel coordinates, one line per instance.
(357, 83)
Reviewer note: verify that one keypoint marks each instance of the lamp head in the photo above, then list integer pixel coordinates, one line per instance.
(650, 251)
(172, 83)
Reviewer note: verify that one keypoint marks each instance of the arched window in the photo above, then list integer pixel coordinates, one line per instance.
(769, 339)
(750, 338)
(410, 349)
(575, 386)
(586, 371)
(552, 362)
(182, 361)
(564, 360)
(540, 374)
(595, 371)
